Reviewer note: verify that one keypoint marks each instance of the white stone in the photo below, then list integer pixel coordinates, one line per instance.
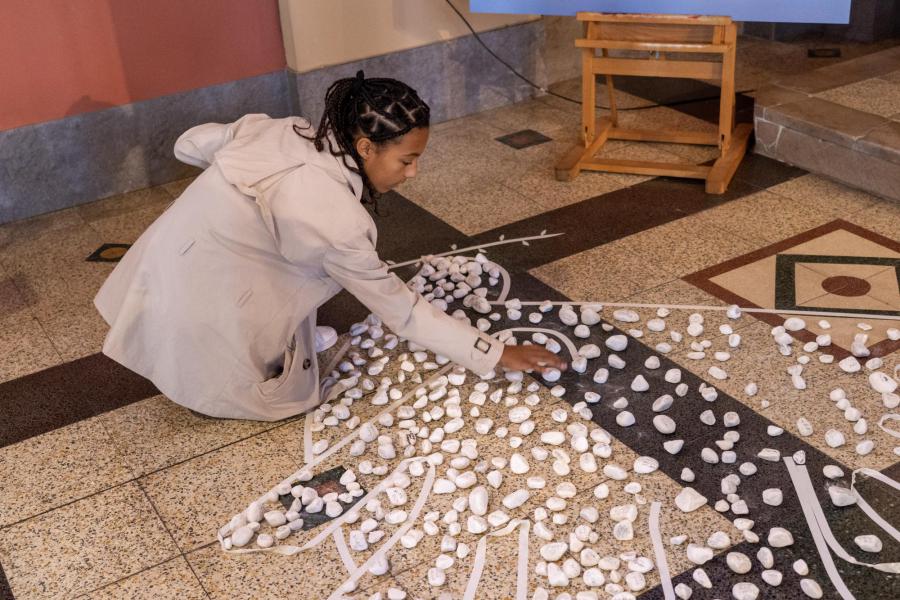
(699, 555)
(882, 382)
(771, 577)
(744, 590)
(639, 384)
(518, 464)
(834, 438)
(623, 531)
(663, 424)
(689, 500)
(673, 446)
(780, 537)
(516, 499)
(625, 418)
(717, 373)
(626, 316)
(850, 365)
(614, 471)
(773, 496)
(554, 551)
(811, 588)
(645, 464)
(868, 543)
(738, 562)
(478, 500)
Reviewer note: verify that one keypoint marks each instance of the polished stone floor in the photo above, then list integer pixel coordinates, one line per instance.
(109, 490)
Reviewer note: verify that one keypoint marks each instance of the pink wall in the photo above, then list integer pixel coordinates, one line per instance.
(64, 57)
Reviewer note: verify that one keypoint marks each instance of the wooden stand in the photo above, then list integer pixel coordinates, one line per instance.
(657, 35)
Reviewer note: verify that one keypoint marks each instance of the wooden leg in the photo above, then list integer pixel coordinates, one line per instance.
(588, 95)
(569, 165)
(723, 169)
(613, 113)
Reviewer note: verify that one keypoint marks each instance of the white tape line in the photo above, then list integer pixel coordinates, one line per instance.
(401, 531)
(888, 430)
(524, 526)
(660, 552)
(458, 251)
(343, 551)
(807, 499)
(772, 311)
(565, 340)
(307, 438)
(866, 508)
(522, 566)
(477, 569)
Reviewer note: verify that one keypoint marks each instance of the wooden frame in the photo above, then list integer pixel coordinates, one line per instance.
(658, 35)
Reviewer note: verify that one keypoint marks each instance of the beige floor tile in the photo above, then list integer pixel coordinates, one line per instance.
(122, 204)
(63, 465)
(531, 114)
(481, 209)
(311, 575)
(84, 545)
(14, 233)
(172, 579)
(785, 217)
(845, 243)
(539, 185)
(126, 228)
(12, 303)
(754, 281)
(876, 96)
(156, 433)
(830, 196)
(582, 279)
(636, 151)
(24, 347)
(197, 497)
(57, 246)
(883, 218)
(75, 331)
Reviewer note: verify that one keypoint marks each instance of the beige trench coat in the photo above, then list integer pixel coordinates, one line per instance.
(216, 301)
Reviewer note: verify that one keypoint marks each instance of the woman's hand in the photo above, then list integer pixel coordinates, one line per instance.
(530, 357)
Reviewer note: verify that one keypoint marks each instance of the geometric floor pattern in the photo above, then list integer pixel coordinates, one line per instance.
(836, 267)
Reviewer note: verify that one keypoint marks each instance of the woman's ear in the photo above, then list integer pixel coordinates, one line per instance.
(365, 147)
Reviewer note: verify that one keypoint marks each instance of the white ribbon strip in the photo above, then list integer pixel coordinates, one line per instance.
(401, 531)
(870, 512)
(800, 477)
(809, 500)
(888, 430)
(659, 551)
(524, 527)
(343, 551)
(773, 311)
(458, 251)
(307, 438)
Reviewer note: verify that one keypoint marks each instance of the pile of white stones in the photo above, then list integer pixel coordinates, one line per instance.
(447, 416)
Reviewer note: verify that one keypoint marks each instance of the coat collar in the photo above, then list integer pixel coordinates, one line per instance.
(354, 180)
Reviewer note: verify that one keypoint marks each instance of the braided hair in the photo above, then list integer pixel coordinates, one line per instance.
(380, 109)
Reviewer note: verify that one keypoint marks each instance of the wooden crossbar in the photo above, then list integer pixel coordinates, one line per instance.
(656, 35)
(685, 69)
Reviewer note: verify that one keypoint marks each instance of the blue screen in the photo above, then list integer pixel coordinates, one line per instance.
(782, 11)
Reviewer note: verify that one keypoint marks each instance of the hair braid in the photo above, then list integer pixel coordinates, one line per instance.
(380, 109)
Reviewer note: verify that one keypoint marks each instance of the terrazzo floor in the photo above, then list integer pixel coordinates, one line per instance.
(109, 490)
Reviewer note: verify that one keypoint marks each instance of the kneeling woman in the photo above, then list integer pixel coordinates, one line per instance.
(216, 302)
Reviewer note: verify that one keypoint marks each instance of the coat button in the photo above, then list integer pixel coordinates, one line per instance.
(306, 363)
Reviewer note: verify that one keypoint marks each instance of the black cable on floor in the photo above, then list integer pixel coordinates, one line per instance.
(573, 100)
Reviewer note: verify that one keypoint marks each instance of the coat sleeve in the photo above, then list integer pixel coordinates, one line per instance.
(355, 265)
(199, 144)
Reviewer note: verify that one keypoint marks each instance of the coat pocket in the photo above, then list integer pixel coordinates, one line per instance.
(270, 386)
